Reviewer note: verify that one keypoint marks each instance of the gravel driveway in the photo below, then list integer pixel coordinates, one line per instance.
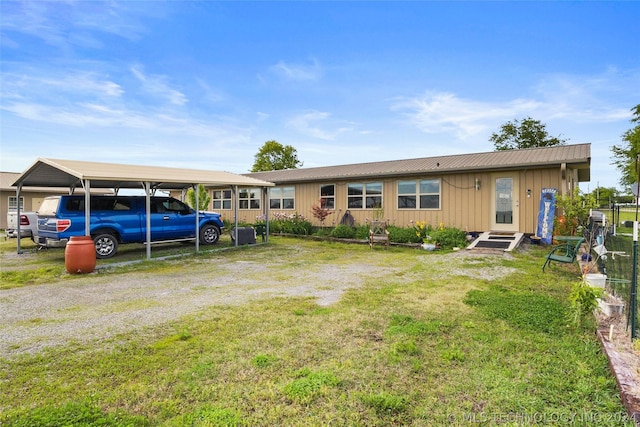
(100, 306)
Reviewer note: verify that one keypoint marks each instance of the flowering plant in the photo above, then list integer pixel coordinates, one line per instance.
(422, 230)
(293, 223)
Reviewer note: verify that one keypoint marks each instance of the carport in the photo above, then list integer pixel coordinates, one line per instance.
(76, 174)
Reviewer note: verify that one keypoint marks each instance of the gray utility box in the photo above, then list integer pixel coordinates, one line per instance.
(246, 235)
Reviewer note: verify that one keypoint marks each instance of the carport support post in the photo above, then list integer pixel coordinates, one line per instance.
(147, 217)
(196, 189)
(266, 214)
(87, 207)
(235, 214)
(18, 191)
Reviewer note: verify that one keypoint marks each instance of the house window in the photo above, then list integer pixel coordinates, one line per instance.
(328, 196)
(282, 198)
(13, 204)
(420, 194)
(221, 199)
(367, 195)
(249, 198)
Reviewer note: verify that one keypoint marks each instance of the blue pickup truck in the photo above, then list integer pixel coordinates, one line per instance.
(122, 219)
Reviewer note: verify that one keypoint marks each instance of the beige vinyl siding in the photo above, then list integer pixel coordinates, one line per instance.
(535, 180)
(461, 205)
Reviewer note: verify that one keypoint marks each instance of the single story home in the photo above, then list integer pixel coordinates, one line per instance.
(496, 191)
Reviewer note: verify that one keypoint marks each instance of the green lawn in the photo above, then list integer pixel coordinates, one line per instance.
(434, 339)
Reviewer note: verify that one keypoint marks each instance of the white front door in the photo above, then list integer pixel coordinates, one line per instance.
(505, 203)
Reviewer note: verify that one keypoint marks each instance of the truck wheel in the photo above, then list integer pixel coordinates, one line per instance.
(209, 234)
(106, 245)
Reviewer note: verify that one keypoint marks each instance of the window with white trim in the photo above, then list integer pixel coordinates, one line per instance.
(249, 198)
(364, 195)
(13, 204)
(328, 196)
(419, 194)
(221, 199)
(282, 198)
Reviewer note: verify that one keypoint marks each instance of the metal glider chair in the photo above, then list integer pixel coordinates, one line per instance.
(566, 252)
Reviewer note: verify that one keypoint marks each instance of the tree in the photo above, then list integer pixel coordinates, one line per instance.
(527, 133)
(626, 155)
(275, 156)
(203, 198)
(605, 195)
(320, 212)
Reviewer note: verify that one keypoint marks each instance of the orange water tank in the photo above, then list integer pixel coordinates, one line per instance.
(80, 255)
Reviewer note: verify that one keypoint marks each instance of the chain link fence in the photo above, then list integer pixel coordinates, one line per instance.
(616, 260)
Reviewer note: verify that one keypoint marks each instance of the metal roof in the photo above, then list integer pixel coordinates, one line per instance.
(71, 173)
(8, 178)
(576, 155)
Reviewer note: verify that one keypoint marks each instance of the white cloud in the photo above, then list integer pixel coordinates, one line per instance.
(208, 93)
(45, 84)
(297, 72)
(66, 24)
(310, 124)
(437, 112)
(604, 97)
(156, 85)
(575, 99)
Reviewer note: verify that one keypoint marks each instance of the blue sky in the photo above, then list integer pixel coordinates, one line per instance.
(205, 84)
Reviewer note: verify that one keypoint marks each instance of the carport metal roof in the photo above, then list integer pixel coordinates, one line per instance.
(71, 173)
(81, 174)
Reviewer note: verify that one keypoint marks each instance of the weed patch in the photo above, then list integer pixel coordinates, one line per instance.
(17, 278)
(385, 403)
(401, 324)
(75, 414)
(308, 385)
(520, 309)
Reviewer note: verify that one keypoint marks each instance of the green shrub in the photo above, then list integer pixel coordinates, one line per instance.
(449, 237)
(583, 300)
(403, 235)
(343, 232)
(290, 224)
(362, 232)
(322, 231)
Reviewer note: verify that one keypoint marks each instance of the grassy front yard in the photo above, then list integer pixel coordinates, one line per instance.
(429, 339)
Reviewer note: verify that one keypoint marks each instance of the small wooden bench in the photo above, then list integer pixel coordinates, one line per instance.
(378, 233)
(566, 252)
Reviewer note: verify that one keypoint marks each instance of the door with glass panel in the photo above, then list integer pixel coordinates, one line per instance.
(505, 203)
